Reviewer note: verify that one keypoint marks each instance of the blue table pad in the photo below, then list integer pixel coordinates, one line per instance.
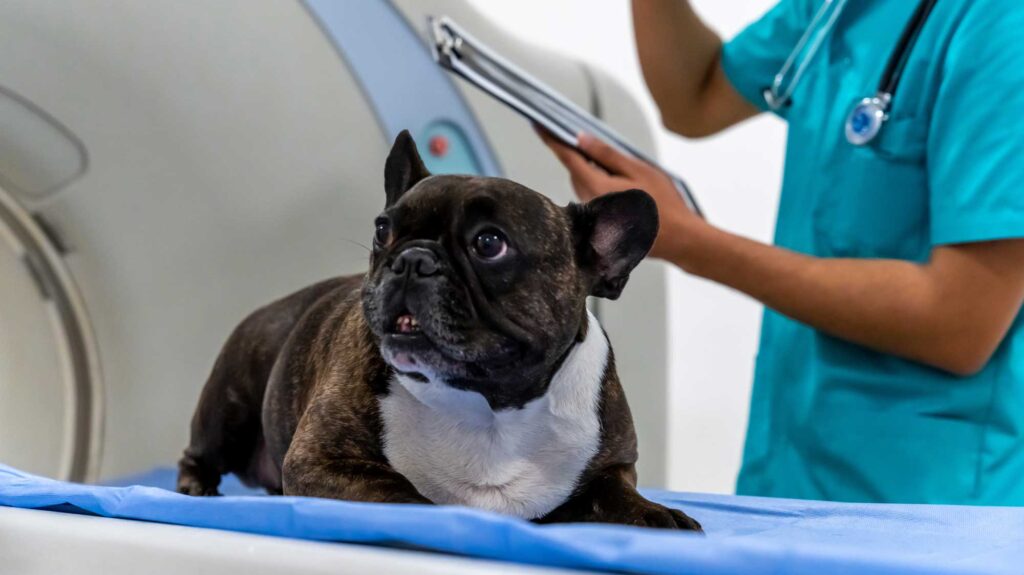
(744, 534)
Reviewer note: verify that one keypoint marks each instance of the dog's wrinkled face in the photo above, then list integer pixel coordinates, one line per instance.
(481, 283)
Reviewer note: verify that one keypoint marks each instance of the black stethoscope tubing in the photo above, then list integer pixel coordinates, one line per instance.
(867, 117)
(898, 61)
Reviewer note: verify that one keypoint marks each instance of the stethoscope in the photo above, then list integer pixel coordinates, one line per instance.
(867, 117)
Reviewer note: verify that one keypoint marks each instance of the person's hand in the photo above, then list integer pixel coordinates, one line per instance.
(618, 172)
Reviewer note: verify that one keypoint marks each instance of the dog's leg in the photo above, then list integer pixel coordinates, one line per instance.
(343, 470)
(610, 497)
(224, 433)
(351, 480)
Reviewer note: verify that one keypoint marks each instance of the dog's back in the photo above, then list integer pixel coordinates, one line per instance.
(226, 432)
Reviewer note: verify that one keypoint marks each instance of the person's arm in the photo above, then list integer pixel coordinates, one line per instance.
(950, 313)
(681, 62)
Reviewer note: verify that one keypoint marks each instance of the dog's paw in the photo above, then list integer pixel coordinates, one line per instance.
(611, 499)
(191, 485)
(650, 514)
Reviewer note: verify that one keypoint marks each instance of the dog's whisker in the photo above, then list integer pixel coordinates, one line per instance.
(360, 245)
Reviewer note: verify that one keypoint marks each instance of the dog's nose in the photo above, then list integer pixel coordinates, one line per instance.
(419, 261)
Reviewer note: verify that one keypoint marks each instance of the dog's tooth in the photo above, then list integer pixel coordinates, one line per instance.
(406, 323)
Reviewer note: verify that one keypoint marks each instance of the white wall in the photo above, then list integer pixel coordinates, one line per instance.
(736, 175)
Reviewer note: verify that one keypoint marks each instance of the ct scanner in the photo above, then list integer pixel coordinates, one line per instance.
(166, 167)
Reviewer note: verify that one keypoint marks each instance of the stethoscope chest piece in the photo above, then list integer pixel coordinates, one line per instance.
(866, 119)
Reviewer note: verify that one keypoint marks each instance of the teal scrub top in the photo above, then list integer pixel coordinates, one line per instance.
(833, 420)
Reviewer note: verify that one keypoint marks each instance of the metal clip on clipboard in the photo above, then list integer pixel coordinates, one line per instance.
(460, 53)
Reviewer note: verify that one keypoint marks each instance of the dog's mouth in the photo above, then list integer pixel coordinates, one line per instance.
(412, 347)
(406, 346)
(437, 347)
(407, 324)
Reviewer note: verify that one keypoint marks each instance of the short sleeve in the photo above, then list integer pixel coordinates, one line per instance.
(975, 156)
(756, 54)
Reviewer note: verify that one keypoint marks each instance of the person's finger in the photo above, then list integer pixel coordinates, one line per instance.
(562, 152)
(589, 175)
(602, 153)
(589, 180)
(580, 168)
(583, 192)
(546, 136)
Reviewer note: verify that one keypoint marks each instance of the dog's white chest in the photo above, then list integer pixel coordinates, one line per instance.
(522, 462)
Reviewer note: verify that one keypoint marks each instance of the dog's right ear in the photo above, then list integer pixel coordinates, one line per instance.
(613, 233)
(403, 169)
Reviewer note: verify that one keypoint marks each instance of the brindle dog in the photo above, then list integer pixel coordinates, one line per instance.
(463, 368)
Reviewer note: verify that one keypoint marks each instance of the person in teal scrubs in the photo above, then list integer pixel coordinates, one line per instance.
(891, 362)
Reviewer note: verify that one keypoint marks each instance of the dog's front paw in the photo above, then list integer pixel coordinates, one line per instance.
(630, 508)
(192, 484)
(650, 514)
(610, 499)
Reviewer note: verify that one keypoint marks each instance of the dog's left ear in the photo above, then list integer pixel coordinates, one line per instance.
(613, 233)
(403, 169)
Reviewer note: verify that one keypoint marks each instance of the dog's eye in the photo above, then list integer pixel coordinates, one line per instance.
(490, 245)
(382, 233)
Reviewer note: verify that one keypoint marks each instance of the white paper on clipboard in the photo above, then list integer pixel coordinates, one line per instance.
(458, 52)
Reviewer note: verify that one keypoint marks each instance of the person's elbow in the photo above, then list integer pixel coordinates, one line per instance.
(965, 355)
(964, 364)
(682, 111)
(712, 107)
(688, 125)
(686, 115)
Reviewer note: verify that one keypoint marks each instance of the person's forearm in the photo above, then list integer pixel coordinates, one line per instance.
(891, 306)
(681, 62)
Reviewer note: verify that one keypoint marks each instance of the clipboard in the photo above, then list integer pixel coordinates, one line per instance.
(460, 53)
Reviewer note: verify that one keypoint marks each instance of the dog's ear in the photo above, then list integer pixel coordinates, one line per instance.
(613, 233)
(403, 169)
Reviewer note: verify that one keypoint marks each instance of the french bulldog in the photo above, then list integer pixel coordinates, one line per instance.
(462, 368)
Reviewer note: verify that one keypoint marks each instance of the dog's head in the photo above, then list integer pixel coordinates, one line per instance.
(481, 283)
